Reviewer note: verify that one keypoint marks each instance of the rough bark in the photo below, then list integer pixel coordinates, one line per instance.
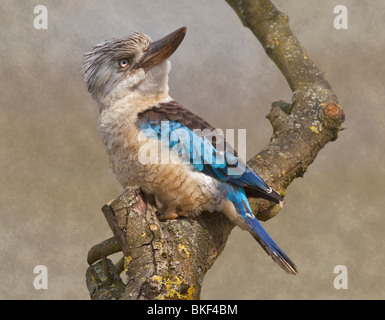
(169, 259)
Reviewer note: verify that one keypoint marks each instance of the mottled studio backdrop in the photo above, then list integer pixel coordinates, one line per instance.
(54, 174)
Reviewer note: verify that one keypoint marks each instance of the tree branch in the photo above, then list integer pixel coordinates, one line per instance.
(163, 260)
(168, 260)
(302, 128)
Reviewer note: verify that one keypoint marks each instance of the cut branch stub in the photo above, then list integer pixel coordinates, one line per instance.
(103, 281)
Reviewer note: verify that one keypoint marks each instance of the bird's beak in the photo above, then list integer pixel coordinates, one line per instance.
(159, 51)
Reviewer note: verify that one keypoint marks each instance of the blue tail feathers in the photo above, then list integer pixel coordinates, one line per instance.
(250, 223)
(268, 244)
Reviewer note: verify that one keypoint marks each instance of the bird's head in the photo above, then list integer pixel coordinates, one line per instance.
(132, 66)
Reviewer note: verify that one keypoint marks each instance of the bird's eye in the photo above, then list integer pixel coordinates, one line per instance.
(123, 63)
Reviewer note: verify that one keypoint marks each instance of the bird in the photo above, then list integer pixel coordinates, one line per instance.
(199, 171)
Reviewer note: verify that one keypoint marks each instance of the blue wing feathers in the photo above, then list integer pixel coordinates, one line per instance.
(250, 178)
(204, 156)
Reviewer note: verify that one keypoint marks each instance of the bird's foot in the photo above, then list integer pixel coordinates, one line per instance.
(170, 213)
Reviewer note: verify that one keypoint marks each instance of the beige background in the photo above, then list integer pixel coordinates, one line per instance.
(54, 170)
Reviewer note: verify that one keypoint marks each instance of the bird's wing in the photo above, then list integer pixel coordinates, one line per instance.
(205, 148)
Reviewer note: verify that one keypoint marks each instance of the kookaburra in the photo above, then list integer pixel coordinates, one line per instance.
(128, 78)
